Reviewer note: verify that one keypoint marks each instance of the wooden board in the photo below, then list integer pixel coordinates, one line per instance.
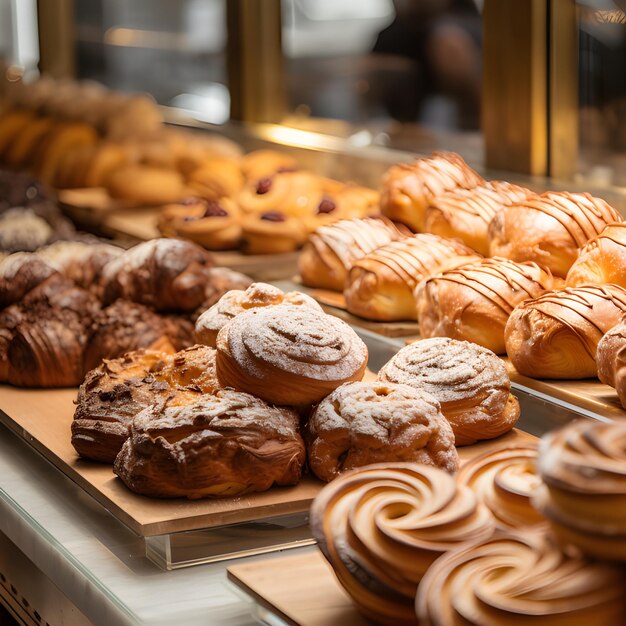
(43, 418)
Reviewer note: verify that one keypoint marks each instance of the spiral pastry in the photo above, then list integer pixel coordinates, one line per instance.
(409, 188)
(362, 423)
(290, 355)
(470, 382)
(583, 467)
(611, 360)
(602, 260)
(466, 213)
(237, 301)
(473, 302)
(519, 579)
(548, 229)
(505, 480)
(380, 285)
(556, 335)
(381, 527)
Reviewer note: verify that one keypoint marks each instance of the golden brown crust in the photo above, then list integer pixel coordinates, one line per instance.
(470, 382)
(265, 163)
(473, 302)
(220, 281)
(216, 179)
(144, 185)
(611, 360)
(226, 444)
(271, 232)
(556, 335)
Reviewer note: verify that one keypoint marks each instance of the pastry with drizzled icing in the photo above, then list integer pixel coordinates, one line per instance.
(466, 213)
(473, 302)
(611, 359)
(556, 335)
(549, 229)
(380, 285)
(409, 188)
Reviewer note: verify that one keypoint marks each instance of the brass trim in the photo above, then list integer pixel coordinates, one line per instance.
(57, 56)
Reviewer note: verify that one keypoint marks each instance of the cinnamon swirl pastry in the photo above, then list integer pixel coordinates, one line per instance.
(380, 285)
(556, 335)
(226, 444)
(331, 250)
(21, 272)
(602, 260)
(611, 360)
(237, 301)
(466, 213)
(470, 382)
(408, 189)
(473, 302)
(548, 229)
(363, 423)
(167, 274)
(519, 579)
(505, 481)
(583, 467)
(286, 354)
(381, 527)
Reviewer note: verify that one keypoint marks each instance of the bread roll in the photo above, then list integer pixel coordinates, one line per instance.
(331, 250)
(466, 213)
(380, 285)
(408, 189)
(381, 527)
(548, 229)
(602, 260)
(290, 355)
(611, 360)
(556, 335)
(473, 302)
(200, 446)
(470, 382)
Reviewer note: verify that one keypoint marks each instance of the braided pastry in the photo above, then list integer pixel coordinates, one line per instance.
(556, 335)
(380, 285)
(470, 382)
(611, 359)
(381, 527)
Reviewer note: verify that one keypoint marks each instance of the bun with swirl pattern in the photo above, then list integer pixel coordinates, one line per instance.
(611, 359)
(548, 229)
(583, 467)
(381, 527)
(289, 355)
(409, 188)
(380, 285)
(556, 335)
(362, 423)
(522, 579)
(473, 302)
(469, 381)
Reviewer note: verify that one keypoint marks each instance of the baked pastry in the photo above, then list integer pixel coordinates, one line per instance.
(331, 250)
(199, 446)
(380, 285)
(118, 389)
(473, 302)
(271, 233)
(466, 213)
(505, 481)
(601, 260)
(144, 185)
(287, 354)
(409, 188)
(381, 527)
(21, 230)
(548, 229)
(470, 382)
(237, 301)
(19, 273)
(363, 423)
(12, 124)
(583, 469)
(556, 335)
(106, 158)
(214, 224)
(216, 179)
(20, 152)
(167, 274)
(611, 358)
(522, 579)
(221, 280)
(265, 163)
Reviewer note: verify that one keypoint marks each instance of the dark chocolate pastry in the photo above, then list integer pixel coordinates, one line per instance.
(19, 273)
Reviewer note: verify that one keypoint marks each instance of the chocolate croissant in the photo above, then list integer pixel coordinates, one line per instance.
(331, 250)
(409, 188)
(611, 360)
(473, 302)
(380, 285)
(556, 335)
(20, 273)
(548, 229)
(200, 446)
